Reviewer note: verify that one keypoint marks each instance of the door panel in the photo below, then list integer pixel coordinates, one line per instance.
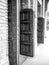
(40, 30)
(26, 32)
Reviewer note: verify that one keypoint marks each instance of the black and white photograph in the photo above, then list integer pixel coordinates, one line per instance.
(24, 32)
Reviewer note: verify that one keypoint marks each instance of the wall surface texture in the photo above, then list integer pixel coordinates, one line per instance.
(4, 33)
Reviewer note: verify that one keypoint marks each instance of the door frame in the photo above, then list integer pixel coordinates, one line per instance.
(18, 30)
(12, 32)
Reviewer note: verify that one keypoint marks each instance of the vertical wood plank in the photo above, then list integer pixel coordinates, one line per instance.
(12, 31)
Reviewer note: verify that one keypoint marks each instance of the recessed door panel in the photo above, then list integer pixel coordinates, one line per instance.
(26, 32)
(40, 30)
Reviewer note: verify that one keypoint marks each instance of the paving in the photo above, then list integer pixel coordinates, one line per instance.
(42, 56)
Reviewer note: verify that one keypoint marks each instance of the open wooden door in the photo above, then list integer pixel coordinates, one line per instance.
(40, 30)
(26, 32)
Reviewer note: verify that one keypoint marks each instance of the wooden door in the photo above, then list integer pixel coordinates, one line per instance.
(26, 32)
(40, 30)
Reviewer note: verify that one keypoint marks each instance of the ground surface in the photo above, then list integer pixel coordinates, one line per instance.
(42, 56)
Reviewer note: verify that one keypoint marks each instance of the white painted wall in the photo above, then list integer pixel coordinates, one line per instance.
(46, 21)
(35, 26)
(3, 33)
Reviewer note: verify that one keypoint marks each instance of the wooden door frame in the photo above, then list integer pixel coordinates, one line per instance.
(18, 30)
(12, 32)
